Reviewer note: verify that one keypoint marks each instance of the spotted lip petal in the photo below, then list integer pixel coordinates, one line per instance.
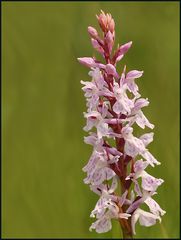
(145, 219)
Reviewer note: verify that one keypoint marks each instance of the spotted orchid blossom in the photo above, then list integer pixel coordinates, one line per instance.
(114, 107)
(146, 219)
(123, 104)
(134, 146)
(98, 168)
(106, 208)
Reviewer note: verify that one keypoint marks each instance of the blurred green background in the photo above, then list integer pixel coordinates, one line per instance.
(43, 194)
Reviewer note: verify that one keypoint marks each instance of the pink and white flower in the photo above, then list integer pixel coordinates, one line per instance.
(146, 219)
(114, 107)
(106, 208)
(123, 104)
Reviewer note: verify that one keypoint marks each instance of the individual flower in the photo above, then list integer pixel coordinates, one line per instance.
(98, 168)
(146, 219)
(123, 104)
(106, 208)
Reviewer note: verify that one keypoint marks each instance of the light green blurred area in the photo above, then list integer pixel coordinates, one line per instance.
(43, 148)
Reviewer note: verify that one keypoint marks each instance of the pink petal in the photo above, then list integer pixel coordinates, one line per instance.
(141, 102)
(109, 173)
(154, 207)
(98, 177)
(119, 57)
(134, 74)
(134, 220)
(135, 205)
(140, 165)
(149, 183)
(147, 138)
(110, 69)
(101, 225)
(137, 188)
(124, 215)
(133, 146)
(102, 129)
(114, 152)
(113, 185)
(132, 87)
(147, 219)
(150, 158)
(123, 50)
(123, 198)
(142, 121)
(87, 61)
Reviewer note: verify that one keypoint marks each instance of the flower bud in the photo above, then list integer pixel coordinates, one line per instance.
(109, 39)
(87, 61)
(111, 24)
(102, 19)
(111, 70)
(124, 48)
(97, 46)
(93, 32)
(121, 51)
(106, 22)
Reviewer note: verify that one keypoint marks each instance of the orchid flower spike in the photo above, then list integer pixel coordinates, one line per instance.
(114, 107)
